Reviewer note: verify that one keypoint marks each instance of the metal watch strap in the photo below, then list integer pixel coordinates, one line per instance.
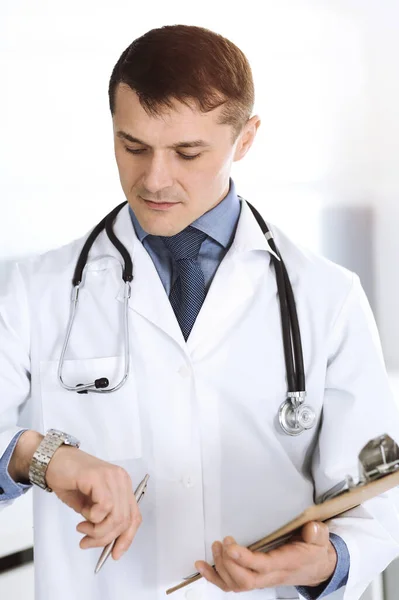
(43, 455)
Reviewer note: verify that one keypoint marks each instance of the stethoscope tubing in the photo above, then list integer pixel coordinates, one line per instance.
(127, 276)
(292, 344)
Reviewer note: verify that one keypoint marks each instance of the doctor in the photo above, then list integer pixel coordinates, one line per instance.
(199, 410)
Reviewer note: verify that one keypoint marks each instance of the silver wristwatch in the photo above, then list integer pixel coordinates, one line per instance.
(45, 452)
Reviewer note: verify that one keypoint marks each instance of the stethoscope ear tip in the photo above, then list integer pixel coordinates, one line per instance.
(101, 383)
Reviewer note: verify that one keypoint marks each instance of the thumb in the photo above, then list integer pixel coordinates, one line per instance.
(315, 533)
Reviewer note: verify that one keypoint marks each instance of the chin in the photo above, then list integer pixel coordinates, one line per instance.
(166, 231)
(156, 227)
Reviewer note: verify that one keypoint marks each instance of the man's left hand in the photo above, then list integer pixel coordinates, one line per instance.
(309, 559)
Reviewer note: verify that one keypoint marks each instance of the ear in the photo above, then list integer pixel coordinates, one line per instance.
(246, 137)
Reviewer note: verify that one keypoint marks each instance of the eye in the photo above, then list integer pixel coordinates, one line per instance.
(133, 151)
(188, 156)
(183, 156)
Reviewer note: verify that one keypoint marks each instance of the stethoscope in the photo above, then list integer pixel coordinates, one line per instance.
(294, 415)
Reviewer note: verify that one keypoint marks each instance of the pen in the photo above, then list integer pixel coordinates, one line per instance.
(138, 494)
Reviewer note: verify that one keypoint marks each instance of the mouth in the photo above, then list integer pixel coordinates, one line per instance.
(159, 205)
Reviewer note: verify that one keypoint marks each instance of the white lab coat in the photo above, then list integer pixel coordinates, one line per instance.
(201, 417)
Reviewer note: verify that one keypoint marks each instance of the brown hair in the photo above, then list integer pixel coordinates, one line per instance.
(187, 63)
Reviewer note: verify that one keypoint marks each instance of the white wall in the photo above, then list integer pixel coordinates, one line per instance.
(57, 169)
(382, 58)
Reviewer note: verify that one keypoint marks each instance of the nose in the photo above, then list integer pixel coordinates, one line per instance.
(157, 174)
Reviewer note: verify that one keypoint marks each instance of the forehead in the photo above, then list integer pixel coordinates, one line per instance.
(181, 121)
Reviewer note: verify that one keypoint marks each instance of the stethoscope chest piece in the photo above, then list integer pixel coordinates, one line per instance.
(295, 417)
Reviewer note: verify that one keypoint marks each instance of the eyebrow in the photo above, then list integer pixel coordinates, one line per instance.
(192, 144)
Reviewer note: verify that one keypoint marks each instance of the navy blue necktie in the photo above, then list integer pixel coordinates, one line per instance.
(188, 291)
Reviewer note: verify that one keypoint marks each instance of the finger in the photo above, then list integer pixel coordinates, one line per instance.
(124, 541)
(217, 551)
(244, 579)
(118, 519)
(99, 503)
(92, 532)
(316, 533)
(255, 561)
(210, 575)
(260, 569)
(131, 519)
(114, 523)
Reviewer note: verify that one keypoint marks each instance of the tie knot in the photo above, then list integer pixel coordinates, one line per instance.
(186, 244)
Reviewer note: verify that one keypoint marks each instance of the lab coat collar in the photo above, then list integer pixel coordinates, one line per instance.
(249, 235)
(148, 296)
(233, 286)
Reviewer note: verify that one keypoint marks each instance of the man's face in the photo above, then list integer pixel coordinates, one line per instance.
(165, 187)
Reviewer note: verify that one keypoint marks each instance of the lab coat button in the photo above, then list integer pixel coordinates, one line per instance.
(188, 481)
(184, 371)
(193, 594)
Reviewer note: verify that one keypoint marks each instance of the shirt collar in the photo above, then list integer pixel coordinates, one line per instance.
(219, 223)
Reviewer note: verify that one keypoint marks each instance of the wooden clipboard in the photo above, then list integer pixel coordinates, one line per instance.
(317, 512)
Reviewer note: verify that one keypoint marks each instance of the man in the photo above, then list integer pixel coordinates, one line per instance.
(199, 409)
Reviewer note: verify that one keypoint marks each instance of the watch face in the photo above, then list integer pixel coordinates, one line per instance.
(68, 439)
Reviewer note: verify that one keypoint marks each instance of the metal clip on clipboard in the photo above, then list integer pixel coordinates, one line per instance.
(378, 458)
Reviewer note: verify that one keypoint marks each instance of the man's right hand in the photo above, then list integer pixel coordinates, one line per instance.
(100, 491)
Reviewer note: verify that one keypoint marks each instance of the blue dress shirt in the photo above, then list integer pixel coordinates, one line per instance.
(219, 224)
(8, 488)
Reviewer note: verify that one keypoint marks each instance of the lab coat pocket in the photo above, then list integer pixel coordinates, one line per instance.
(107, 425)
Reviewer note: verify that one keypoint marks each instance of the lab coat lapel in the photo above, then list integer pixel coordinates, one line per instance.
(231, 290)
(234, 283)
(148, 296)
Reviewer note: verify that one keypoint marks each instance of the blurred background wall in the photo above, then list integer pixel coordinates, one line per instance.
(324, 167)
